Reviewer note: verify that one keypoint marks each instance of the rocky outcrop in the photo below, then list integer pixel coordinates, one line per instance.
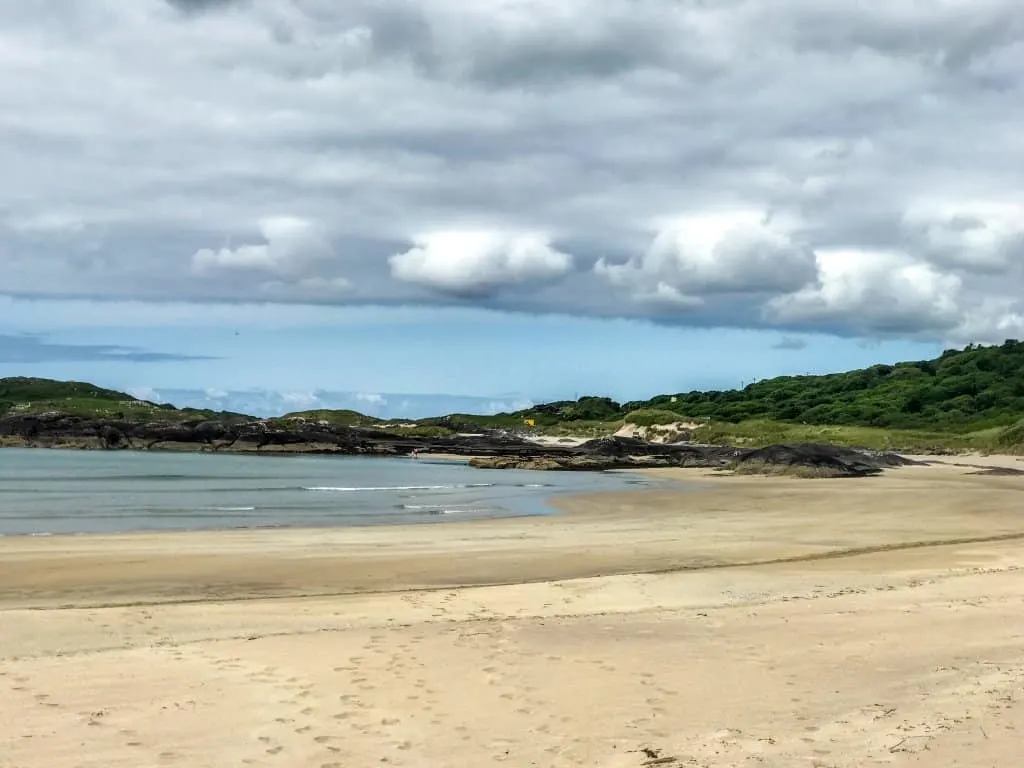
(249, 436)
(493, 450)
(802, 460)
(998, 472)
(816, 460)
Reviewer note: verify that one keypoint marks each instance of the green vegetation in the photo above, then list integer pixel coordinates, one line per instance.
(29, 395)
(464, 422)
(759, 433)
(961, 391)
(417, 430)
(22, 389)
(1011, 439)
(339, 418)
(583, 429)
(970, 399)
(651, 417)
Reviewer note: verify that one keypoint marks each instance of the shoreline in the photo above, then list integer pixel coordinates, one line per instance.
(761, 620)
(519, 498)
(632, 531)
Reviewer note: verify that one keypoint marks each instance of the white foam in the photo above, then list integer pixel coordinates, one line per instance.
(446, 510)
(355, 489)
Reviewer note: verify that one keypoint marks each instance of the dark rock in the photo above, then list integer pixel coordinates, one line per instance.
(807, 460)
(999, 472)
(816, 460)
(493, 449)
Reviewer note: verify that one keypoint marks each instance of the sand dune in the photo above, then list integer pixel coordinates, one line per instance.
(755, 622)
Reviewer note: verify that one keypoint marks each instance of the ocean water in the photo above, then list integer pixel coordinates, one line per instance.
(63, 491)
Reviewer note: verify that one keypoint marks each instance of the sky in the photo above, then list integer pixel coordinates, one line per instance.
(383, 202)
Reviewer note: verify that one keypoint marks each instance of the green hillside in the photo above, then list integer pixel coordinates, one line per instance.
(965, 399)
(962, 390)
(31, 395)
(337, 418)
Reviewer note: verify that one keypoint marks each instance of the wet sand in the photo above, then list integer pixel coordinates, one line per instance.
(754, 622)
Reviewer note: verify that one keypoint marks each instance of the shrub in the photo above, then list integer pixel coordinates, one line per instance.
(650, 417)
(1012, 438)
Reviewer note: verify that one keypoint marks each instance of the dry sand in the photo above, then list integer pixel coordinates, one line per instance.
(754, 622)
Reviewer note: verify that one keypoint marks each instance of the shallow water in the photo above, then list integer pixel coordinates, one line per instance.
(56, 491)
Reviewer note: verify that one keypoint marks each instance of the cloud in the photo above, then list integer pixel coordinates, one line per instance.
(294, 255)
(875, 292)
(637, 158)
(792, 343)
(35, 349)
(263, 402)
(198, 6)
(372, 399)
(972, 235)
(479, 263)
(719, 253)
(145, 393)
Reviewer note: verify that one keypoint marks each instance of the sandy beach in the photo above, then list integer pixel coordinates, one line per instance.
(749, 622)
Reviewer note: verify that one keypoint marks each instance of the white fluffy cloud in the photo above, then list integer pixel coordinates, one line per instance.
(875, 292)
(292, 150)
(290, 245)
(715, 253)
(969, 233)
(472, 263)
